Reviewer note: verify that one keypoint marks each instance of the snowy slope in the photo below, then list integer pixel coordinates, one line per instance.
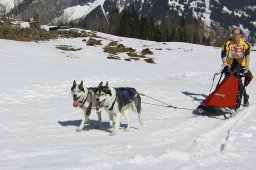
(9, 4)
(38, 121)
(78, 11)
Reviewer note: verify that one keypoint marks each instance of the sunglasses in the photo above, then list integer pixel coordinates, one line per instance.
(236, 34)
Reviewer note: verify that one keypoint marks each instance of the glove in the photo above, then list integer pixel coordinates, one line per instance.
(225, 67)
(245, 71)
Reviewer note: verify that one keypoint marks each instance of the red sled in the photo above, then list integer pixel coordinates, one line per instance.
(226, 98)
(225, 95)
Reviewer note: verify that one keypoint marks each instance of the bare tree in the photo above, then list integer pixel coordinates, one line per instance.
(2, 10)
(16, 7)
(4, 7)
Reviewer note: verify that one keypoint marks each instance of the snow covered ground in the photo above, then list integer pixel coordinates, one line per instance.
(38, 120)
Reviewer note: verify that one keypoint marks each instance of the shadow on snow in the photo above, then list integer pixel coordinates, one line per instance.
(195, 96)
(91, 124)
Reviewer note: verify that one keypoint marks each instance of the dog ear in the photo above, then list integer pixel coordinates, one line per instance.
(80, 86)
(109, 92)
(81, 83)
(100, 85)
(107, 89)
(74, 85)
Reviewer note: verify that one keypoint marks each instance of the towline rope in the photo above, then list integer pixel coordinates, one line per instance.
(165, 104)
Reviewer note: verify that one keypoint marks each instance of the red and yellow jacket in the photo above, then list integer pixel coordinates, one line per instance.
(239, 51)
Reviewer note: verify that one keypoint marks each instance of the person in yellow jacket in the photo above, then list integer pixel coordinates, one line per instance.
(236, 51)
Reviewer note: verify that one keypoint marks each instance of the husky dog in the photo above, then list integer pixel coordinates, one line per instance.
(85, 99)
(116, 101)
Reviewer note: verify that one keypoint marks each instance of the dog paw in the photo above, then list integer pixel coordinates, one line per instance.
(78, 130)
(113, 134)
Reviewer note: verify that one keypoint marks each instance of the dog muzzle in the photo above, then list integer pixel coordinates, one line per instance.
(99, 104)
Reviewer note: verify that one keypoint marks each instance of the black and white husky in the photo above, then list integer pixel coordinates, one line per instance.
(85, 99)
(117, 101)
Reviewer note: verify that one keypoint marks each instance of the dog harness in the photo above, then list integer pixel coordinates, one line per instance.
(94, 89)
(124, 95)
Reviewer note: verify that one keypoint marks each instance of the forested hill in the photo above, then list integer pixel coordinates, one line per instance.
(217, 16)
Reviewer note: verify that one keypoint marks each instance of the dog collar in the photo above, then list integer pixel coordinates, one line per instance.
(83, 102)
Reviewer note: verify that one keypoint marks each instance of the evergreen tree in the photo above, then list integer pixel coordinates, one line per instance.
(114, 21)
(195, 38)
(144, 28)
(157, 34)
(129, 24)
(134, 24)
(151, 29)
(166, 28)
(124, 28)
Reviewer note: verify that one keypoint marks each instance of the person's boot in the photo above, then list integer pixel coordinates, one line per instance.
(246, 100)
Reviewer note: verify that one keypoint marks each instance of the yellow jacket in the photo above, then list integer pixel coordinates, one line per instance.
(239, 51)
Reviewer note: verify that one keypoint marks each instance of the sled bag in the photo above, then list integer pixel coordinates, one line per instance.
(225, 95)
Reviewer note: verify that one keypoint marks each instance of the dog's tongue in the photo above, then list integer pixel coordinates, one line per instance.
(75, 103)
(97, 107)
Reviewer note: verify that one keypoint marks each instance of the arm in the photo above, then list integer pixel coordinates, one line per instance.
(224, 52)
(247, 55)
(224, 60)
(247, 62)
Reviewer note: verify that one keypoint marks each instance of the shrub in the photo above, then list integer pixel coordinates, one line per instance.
(146, 51)
(67, 48)
(93, 42)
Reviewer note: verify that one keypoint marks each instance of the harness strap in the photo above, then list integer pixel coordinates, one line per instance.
(165, 104)
(112, 106)
(83, 102)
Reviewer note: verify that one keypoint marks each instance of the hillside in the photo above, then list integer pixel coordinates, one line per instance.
(215, 14)
(38, 120)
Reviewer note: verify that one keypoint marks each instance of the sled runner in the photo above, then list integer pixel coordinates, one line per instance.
(226, 98)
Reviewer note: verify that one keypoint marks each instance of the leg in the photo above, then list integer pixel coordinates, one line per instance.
(239, 93)
(126, 115)
(87, 113)
(99, 120)
(140, 119)
(134, 108)
(246, 99)
(117, 123)
(248, 78)
(111, 120)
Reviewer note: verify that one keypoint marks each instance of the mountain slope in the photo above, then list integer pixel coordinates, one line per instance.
(237, 13)
(38, 120)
